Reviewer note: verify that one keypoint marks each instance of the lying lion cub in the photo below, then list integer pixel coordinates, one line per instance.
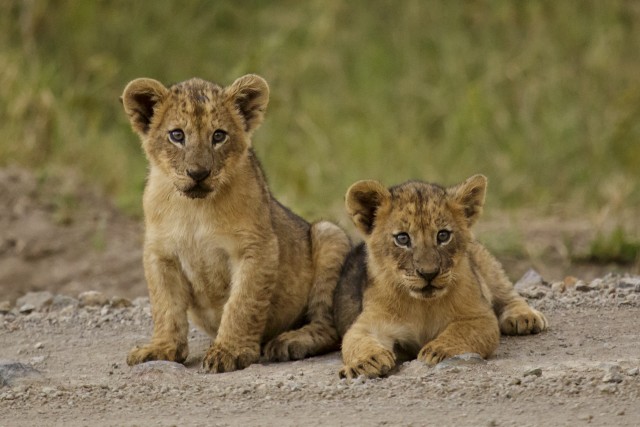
(218, 246)
(424, 285)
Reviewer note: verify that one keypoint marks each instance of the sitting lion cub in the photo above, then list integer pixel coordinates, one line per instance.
(218, 246)
(424, 285)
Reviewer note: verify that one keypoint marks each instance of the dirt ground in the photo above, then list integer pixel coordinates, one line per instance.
(62, 356)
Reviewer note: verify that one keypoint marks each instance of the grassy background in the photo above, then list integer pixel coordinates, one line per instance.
(541, 96)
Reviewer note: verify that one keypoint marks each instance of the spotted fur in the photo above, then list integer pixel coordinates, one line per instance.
(219, 248)
(421, 285)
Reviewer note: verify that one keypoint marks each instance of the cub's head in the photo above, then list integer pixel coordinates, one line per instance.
(416, 233)
(196, 132)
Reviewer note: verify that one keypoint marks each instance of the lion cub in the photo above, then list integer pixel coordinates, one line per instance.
(423, 285)
(218, 247)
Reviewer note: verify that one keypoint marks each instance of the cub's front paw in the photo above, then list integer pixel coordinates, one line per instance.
(522, 320)
(434, 353)
(221, 358)
(373, 366)
(157, 351)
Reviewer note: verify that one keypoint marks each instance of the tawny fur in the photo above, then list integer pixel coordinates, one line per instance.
(218, 247)
(429, 298)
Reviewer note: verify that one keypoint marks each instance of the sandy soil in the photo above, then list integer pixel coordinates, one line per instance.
(62, 355)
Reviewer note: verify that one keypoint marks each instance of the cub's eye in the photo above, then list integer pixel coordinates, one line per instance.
(177, 136)
(402, 239)
(218, 137)
(443, 236)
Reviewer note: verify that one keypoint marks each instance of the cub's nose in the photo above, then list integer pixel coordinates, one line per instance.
(428, 276)
(198, 175)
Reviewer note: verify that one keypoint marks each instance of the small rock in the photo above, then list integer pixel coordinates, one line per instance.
(536, 292)
(583, 287)
(535, 371)
(119, 302)
(12, 373)
(612, 373)
(569, 281)
(37, 359)
(26, 308)
(629, 282)
(608, 388)
(529, 279)
(61, 302)
(633, 372)
(38, 346)
(558, 287)
(461, 359)
(40, 301)
(92, 298)
(5, 307)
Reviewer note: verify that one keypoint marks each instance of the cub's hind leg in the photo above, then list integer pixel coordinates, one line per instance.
(329, 246)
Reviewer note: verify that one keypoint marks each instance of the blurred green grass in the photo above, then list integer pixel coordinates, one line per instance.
(541, 96)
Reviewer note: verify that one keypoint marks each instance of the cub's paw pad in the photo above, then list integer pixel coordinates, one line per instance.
(149, 352)
(220, 358)
(432, 354)
(371, 367)
(286, 346)
(522, 321)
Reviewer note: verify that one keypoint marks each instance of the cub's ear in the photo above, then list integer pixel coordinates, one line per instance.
(363, 200)
(250, 95)
(470, 196)
(139, 100)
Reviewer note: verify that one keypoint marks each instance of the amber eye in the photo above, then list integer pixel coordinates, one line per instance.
(443, 236)
(218, 137)
(177, 136)
(402, 239)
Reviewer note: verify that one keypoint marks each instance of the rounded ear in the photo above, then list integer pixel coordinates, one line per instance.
(363, 200)
(250, 95)
(470, 195)
(139, 99)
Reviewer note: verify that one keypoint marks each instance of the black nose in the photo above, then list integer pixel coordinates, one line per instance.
(198, 174)
(428, 276)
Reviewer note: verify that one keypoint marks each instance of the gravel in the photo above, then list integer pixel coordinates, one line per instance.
(63, 362)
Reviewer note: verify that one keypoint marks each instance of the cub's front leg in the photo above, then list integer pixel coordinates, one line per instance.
(364, 354)
(478, 335)
(518, 318)
(169, 296)
(245, 314)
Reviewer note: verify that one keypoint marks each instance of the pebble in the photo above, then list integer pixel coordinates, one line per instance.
(535, 371)
(12, 373)
(5, 307)
(529, 279)
(40, 301)
(26, 308)
(612, 374)
(461, 360)
(120, 302)
(61, 302)
(93, 298)
(633, 372)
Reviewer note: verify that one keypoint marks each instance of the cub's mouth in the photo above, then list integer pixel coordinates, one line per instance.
(426, 291)
(197, 191)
